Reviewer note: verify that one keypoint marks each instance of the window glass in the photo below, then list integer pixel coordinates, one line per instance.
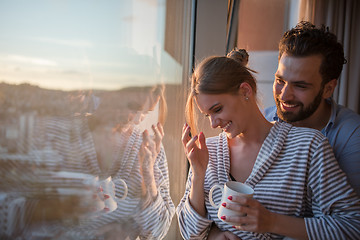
(82, 86)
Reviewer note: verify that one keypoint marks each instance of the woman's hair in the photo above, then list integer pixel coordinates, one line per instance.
(305, 40)
(158, 94)
(218, 75)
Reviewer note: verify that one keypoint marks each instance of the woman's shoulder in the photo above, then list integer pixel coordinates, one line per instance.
(299, 131)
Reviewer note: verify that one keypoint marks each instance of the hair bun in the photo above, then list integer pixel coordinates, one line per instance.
(239, 55)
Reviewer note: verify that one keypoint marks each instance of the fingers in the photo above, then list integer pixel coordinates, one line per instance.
(241, 210)
(185, 134)
(158, 131)
(191, 145)
(247, 201)
(148, 144)
(249, 214)
(202, 140)
(158, 135)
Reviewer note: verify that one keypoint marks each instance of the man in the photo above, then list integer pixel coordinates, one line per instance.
(310, 62)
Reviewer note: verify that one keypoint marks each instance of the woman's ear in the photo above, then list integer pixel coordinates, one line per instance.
(329, 88)
(245, 90)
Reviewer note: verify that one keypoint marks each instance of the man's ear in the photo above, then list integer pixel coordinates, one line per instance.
(329, 88)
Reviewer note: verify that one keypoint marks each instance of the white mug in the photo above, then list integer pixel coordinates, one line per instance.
(231, 188)
(107, 193)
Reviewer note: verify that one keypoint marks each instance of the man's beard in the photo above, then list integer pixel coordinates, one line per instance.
(302, 114)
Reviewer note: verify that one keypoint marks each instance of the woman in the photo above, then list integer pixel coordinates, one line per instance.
(299, 190)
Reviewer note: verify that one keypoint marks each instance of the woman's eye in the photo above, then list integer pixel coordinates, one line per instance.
(216, 110)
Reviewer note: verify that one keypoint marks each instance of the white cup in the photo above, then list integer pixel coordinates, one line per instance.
(107, 193)
(78, 186)
(231, 188)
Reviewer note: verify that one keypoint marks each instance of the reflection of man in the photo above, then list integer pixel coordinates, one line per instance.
(310, 62)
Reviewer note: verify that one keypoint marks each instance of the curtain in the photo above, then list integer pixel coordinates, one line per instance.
(343, 19)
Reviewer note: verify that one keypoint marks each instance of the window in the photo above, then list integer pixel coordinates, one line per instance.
(80, 83)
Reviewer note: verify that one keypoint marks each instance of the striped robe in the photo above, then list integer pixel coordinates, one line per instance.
(70, 143)
(295, 174)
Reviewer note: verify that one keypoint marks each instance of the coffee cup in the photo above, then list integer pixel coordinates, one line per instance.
(107, 193)
(231, 188)
(75, 192)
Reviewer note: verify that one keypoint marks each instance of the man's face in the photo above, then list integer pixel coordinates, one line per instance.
(297, 87)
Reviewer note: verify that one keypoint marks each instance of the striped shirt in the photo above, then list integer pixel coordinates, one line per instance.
(69, 141)
(295, 174)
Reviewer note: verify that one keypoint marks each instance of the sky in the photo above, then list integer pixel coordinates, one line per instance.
(83, 44)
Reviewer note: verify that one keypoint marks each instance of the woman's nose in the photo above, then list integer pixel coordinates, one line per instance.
(213, 122)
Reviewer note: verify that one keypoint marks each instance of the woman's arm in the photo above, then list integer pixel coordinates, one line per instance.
(191, 210)
(198, 157)
(157, 206)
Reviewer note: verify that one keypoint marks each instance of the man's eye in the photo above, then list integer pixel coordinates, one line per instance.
(301, 86)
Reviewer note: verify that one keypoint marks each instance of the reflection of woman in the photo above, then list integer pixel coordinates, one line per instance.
(299, 189)
(139, 159)
(106, 143)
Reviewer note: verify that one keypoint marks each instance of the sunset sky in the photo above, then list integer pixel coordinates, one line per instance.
(73, 44)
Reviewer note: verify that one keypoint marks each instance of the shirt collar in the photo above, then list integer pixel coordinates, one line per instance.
(331, 121)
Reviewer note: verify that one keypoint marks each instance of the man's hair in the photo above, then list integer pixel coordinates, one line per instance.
(306, 40)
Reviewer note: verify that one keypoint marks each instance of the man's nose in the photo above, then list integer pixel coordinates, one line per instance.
(286, 93)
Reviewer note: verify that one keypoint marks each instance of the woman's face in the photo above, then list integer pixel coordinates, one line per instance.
(225, 111)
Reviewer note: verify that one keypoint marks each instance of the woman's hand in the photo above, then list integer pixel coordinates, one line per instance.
(158, 136)
(197, 154)
(149, 149)
(257, 218)
(198, 157)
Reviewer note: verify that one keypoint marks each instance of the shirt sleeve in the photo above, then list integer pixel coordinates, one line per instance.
(156, 217)
(347, 152)
(335, 205)
(192, 225)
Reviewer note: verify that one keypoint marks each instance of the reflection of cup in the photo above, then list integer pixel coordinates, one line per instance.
(107, 193)
(231, 188)
(76, 192)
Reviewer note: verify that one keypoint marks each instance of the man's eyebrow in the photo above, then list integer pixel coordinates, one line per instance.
(295, 82)
(302, 83)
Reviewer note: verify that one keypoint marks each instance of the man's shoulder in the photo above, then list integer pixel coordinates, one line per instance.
(344, 114)
(345, 129)
(346, 119)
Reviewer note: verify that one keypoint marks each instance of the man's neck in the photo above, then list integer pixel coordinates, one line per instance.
(319, 119)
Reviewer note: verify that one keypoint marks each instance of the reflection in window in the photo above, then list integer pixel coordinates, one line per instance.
(89, 98)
